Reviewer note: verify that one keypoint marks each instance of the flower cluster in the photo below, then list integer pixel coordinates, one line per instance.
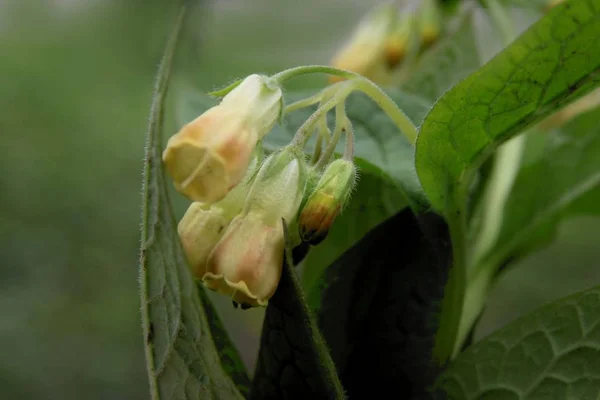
(386, 36)
(233, 232)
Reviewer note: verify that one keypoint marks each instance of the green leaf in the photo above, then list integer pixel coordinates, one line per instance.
(182, 360)
(293, 360)
(375, 199)
(552, 63)
(449, 61)
(568, 169)
(379, 311)
(230, 357)
(553, 353)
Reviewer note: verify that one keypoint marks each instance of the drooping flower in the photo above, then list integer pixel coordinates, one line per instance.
(365, 51)
(203, 225)
(210, 155)
(246, 263)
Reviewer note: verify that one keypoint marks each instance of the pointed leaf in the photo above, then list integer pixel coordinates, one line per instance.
(182, 360)
(554, 62)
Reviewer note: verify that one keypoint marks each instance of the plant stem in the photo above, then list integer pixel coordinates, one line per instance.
(312, 69)
(364, 85)
(340, 123)
(307, 127)
(349, 150)
(389, 107)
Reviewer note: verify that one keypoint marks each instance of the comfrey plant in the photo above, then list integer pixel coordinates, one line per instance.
(472, 142)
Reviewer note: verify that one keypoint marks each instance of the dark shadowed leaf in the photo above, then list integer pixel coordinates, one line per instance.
(374, 200)
(293, 361)
(182, 360)
(380, 307)
(552, 353)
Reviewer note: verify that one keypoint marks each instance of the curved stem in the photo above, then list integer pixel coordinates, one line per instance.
(307, 102)
(340, 123)
(349, 150)
(389, 107)
(312, 69)
(304, 131)
(361, 83)
(318, 147)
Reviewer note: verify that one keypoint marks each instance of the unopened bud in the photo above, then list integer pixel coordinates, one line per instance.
(398, 40)
(430, 21)
(279, 186)
(210, 155)
(203, 224)
(326, 201)
(364, 53)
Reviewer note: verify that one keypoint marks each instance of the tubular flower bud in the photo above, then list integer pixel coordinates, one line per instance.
(364, 53)
(203, 224)
(210, 155)
(429, 22)
(326, 201)
(246, 263)
(398, 41)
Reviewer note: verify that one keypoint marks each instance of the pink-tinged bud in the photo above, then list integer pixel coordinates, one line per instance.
(210, 155)
(326, 201)
(365, 51)
(200, 230)
(246, 263)
(203, 225)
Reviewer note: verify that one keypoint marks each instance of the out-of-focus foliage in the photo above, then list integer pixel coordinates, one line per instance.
(74, 98)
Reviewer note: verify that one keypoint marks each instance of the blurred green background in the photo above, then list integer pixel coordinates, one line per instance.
(75, 89)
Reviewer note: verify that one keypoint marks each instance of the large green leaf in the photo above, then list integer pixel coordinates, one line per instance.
(553, 353)
(293, 360)
(379, 310)
(182, 360)
(552, 63)
(568, 169)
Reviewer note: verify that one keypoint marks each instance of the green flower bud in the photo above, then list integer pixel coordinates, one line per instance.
(326, 201)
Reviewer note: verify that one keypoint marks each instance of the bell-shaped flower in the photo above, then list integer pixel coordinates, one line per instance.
(326, 201)
(210, 155)
(246, 263)
(203, 225)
